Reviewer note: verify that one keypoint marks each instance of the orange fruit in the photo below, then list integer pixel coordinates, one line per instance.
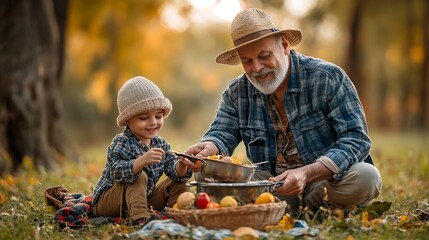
(199, 163)
(265, 197)
(213, 205)
(228, 201)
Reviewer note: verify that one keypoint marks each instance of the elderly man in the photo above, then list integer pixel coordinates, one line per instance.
(301, 113)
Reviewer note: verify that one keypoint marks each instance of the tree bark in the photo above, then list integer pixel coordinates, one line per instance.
(30, 106)
(354, 66)
(424, 97)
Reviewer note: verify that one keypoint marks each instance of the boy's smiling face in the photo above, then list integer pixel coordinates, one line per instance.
(147, 125)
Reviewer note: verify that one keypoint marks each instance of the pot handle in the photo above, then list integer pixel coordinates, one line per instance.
(192, 158)
(275, 185)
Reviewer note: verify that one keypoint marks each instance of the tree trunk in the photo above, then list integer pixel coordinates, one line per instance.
(424, 119)
(406, 80)
(56, 137)
(354, 66)
(30, 106)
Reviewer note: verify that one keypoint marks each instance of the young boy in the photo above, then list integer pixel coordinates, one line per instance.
(138, 157)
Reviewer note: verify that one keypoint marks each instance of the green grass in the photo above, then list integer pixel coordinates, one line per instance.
(403, 160)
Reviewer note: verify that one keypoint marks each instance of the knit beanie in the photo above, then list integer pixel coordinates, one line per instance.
(139, 95)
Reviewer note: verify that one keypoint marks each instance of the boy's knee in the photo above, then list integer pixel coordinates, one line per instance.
(142, 179)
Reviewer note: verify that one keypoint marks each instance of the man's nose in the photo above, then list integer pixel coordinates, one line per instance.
(257, 66)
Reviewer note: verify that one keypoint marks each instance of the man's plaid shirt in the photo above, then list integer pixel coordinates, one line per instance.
(323, 109)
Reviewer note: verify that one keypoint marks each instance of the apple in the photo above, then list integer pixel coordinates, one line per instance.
(201, 200)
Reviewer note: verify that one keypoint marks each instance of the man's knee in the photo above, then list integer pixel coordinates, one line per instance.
(359, 185)
(366, 178)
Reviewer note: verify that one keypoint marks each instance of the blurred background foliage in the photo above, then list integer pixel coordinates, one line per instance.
(383, 45)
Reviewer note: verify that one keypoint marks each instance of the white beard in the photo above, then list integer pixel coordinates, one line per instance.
(269, 86)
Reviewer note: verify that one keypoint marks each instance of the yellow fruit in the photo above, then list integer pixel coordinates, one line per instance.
(175, 206)
(228, 201)
(185, 200)
(265, 197)
(245, 233)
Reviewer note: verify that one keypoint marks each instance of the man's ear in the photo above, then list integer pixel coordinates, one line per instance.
(285, 44)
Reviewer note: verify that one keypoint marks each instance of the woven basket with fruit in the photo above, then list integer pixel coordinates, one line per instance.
(228, 212)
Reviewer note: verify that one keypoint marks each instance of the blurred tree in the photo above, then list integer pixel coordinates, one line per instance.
(111, 41)
(31, 41)
(386, 52)
(354, 59)
(424, 79)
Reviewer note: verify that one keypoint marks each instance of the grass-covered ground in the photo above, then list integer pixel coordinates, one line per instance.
(403, 160)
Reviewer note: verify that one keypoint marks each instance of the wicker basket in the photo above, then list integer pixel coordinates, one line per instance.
(250, 215)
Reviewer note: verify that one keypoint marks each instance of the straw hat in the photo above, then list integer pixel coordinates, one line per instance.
(251, 25)
(139, 95)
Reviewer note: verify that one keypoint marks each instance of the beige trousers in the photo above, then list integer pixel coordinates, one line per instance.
(359, 185)
(130, 199)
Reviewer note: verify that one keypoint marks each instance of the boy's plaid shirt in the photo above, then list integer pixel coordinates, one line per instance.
(123, 151)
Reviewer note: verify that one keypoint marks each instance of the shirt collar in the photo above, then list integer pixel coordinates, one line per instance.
(128, 133)
(294, 73)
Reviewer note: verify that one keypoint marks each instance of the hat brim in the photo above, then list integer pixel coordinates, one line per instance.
(231, 56)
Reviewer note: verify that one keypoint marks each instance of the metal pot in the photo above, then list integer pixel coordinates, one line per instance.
(246, 192)
(222, 172)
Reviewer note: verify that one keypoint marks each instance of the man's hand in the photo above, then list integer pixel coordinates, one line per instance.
(295, 180)
(201, 149)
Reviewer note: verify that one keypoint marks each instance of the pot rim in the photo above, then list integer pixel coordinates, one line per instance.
(228, 163)
(205, 160)
(240, 184)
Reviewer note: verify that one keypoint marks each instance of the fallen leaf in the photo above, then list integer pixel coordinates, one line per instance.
(365, 218)
(2, 198)
(405, 222)
(422, 215)
(376, 209)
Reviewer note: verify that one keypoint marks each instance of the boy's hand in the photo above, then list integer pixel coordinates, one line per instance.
(154, 155)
